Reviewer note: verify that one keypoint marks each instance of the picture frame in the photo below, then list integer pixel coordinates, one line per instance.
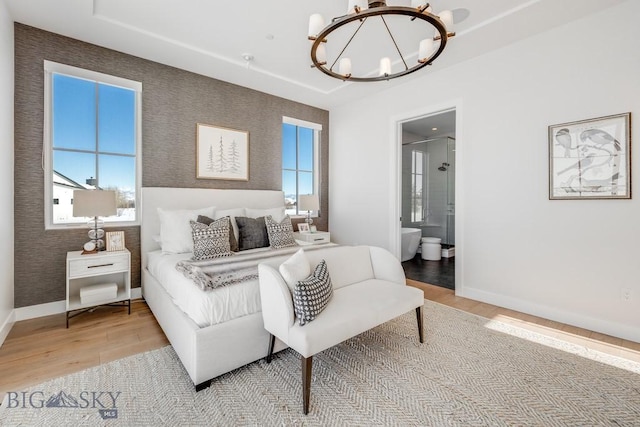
(591, 159)
(221, 153)
(303, 227)
(115, 241)
(313, 229)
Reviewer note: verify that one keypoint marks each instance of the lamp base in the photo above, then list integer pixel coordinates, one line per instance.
(96, 233)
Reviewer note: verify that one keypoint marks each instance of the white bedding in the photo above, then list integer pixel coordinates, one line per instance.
(204, 308)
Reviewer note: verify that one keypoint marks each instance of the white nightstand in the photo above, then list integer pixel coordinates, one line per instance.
(317, 238)
(95, 269)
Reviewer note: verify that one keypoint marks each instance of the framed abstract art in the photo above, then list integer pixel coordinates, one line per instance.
(591, 159)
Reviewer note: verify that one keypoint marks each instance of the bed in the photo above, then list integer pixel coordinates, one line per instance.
(206, 351)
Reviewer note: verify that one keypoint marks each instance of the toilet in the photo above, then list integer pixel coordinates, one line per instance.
(431, 248)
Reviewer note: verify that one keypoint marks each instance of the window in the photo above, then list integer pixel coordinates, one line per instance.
(91, 140)
(300, 161)
(418, 194)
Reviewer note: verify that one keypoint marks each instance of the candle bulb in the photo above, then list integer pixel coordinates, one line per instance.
(385, 66)
(321, 54)
(345, 67)
(316, 24)
(446, 16)
(426, 47)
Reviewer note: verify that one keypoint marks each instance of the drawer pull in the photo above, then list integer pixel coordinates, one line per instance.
(100, 265)
(319, 239)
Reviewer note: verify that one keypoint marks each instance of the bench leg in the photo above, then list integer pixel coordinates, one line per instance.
(306, 383)
(420, 323)
(272, 342)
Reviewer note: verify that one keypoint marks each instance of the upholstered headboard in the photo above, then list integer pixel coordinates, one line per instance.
(195, 198)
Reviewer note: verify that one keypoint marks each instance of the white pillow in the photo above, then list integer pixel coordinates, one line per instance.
(175, 230)
(295, 269)
(232, 214)
(276, 213)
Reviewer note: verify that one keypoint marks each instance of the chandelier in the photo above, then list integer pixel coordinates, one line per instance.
(435, 29)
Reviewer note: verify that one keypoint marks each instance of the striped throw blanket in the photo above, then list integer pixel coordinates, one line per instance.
(213, 273)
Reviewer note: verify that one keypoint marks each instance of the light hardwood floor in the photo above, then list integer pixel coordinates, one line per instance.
(40, 349)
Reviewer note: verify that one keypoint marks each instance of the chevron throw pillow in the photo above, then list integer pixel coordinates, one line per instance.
(280, 233)
(311, 295)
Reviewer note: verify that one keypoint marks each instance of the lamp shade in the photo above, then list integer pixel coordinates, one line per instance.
(309, 202)
(91, 203)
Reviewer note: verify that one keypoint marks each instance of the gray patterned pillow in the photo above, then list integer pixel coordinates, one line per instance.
(232, 237)
(280, 233)
(311, 295)
(210, 241)
(253, 233)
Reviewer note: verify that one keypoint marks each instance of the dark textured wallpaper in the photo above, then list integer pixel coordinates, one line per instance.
(173, 101)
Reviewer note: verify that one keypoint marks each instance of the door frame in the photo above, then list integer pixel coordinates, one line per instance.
(395, 208)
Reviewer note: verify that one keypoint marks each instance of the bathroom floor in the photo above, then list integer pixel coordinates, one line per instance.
(440, 273)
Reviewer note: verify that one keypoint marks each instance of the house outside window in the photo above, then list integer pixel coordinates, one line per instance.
(300, 162)
(92, 141)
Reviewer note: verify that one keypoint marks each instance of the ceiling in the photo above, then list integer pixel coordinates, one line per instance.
(210, 37)
(433, 126)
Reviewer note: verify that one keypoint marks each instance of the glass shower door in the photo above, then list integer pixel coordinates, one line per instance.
(450, 232)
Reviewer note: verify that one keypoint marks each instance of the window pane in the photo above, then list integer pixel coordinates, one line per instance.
(419, 162)
(118, 173)
(305, 183)
(116, 124)
(288, 146)
(305, 149)
(76, 169)
(71, 171)
(289, 189)
(74, 113)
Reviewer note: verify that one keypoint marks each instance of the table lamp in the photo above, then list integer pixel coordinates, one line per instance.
(309, 202)
(94, 203)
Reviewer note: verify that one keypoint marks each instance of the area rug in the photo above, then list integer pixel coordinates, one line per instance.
(467, 373)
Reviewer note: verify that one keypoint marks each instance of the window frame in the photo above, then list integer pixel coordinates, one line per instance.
(317, 176)
(51, 68)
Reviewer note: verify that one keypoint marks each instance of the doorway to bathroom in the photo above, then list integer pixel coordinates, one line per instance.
(428, 167)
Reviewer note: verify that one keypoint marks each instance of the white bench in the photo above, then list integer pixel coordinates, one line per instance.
(369, 288)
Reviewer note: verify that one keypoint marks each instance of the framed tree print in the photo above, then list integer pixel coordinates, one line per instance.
(591, 159)
(222, 153)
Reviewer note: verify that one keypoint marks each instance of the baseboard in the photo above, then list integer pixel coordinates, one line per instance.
(40, 310)
(6, 326)
(597, 325)
(56, 307)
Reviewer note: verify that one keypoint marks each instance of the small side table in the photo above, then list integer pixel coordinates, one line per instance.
(93, 269)
(317, 238)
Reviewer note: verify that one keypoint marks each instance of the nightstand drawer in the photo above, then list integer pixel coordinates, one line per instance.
(100, 265)
(314, 238)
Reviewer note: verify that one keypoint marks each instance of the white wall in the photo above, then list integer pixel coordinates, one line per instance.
(563, 260)
(6, 171)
